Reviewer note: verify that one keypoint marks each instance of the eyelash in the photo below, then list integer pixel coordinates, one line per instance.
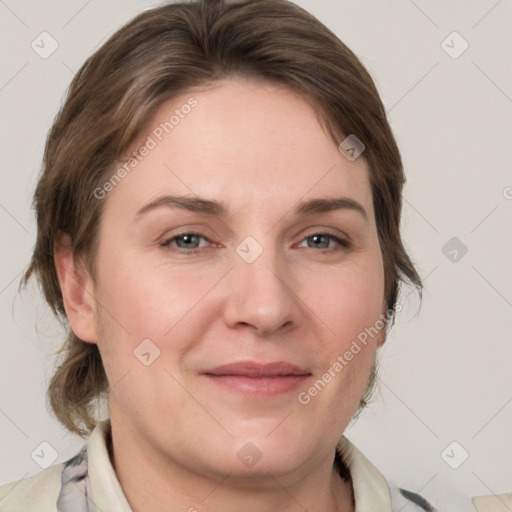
(167, 243)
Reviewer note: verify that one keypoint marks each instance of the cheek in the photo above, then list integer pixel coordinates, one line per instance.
(139, 290)
(350, 309)
(349, 300)
(141, 301)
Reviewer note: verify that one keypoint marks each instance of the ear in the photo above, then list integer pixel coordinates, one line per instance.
(77, 290)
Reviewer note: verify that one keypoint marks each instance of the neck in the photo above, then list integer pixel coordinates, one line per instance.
(157, 484)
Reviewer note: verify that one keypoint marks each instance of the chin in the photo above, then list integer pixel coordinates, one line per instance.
(279, 453)
(266, 465)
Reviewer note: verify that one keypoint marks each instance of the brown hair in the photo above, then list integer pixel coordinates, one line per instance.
(159, 54)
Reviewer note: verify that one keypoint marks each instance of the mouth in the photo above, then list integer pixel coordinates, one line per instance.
(255, 379)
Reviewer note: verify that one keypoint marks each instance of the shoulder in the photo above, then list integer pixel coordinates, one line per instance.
(35, 493)
(493, 502)
(372, 491)
(450, 500)
(375, 493)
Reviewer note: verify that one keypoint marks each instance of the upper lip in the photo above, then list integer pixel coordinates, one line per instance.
(253, 369)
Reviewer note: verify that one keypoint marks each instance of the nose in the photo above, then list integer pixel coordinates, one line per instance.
(260, 295)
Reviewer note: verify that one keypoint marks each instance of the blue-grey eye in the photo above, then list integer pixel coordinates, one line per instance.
(189, 241)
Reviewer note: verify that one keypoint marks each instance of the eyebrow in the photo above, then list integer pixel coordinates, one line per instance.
(219, 209)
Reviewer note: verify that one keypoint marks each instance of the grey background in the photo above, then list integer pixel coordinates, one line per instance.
(445, 369)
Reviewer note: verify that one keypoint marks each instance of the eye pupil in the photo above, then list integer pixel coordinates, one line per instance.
(187, 239)
(316, 239)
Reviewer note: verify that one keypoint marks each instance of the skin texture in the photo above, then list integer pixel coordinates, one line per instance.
(261, 150)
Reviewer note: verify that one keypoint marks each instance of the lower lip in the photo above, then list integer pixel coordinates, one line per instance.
(259, 386)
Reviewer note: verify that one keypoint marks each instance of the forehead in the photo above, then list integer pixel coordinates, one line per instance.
(245, 141)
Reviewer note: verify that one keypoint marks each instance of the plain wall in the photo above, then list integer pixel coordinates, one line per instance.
(445, 368)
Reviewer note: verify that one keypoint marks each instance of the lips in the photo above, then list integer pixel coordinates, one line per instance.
(251, 369)
(256, 379)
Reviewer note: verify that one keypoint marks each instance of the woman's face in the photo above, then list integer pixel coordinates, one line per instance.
(194, 296)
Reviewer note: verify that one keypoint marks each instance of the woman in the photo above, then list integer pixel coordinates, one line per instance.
(218, 224)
